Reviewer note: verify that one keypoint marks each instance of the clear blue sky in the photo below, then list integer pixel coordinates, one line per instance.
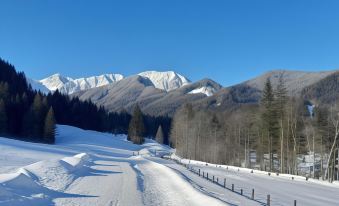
(227, 40)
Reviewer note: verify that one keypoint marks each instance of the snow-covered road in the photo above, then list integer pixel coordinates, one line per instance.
(282, 190)
(90, 168)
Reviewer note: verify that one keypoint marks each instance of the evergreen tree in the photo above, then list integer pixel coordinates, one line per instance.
(160, 135)
(269, 119)
(38, 117)
(28, 124)
(280, 104)
(3, 118)
(49, 130)
(4, 91)
(136, 128)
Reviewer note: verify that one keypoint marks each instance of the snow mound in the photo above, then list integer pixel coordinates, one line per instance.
(39, 180)
(20, 189)
(76, 161)
(19, 181)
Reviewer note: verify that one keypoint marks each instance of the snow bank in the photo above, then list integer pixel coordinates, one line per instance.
(39, 180)
(76, 161)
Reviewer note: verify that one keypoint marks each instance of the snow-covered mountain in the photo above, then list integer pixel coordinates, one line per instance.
(166, 81)
(54, 82)
(37, 86)
(81, 84)
(68, 85)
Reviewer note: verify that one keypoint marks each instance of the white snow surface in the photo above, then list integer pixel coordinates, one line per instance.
(94, 169)
(37, 86)
(167, 81)
(208, 91)
(90, 168)
(68, 85)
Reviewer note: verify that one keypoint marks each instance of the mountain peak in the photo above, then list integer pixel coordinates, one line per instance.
(167, 80)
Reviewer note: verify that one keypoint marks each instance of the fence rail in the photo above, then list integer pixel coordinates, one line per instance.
(223, 184)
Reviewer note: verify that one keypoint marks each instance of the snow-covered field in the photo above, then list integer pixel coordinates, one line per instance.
(92, 168)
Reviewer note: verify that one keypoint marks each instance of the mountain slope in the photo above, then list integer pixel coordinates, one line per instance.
(125, 94)
(295, 81)
(325, 91)
(249, 92)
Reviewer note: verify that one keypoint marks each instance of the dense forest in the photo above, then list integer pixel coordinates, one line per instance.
(30, 115)
(280, 134)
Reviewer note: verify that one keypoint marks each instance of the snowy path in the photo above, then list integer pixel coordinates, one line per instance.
(91, 169)
(95, 169)
(133, 181)
(207, 187)
(109, 184)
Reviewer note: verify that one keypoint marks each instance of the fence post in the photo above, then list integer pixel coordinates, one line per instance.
(213, 178)
(241, 191)
(203, 174)
(252, 194)
(232, 187)
(207, 176)
(295, 202)
(268, 200)
(218, 180)
(225, 183)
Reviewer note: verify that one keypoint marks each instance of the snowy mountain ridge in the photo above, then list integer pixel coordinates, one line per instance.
(69, 85)
(166, 81)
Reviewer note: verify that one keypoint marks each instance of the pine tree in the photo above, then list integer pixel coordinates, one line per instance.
(28, 124)
(269, 118)
(160, 136)
(280, 104)
(49, 130)
(4, 91)
(38, 116)
(136, 128)
(3, 118)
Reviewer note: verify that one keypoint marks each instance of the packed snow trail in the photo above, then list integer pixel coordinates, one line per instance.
(205, 186)
(90, 168)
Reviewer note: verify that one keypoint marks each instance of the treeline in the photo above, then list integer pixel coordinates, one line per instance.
(30, 115)
(140, 124)
(279, 134)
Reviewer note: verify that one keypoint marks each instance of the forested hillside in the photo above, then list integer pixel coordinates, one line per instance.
(31, 115)
(280, 133)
